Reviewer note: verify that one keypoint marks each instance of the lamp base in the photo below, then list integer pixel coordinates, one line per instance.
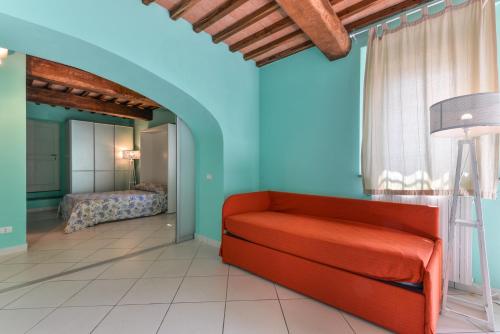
(486, 304)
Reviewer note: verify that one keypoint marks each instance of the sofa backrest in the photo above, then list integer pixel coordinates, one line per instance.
(417, 219)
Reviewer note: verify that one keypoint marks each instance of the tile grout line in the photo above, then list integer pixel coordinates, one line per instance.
(123, 296)
(83, 287)
(347, 321)
(178, 288)
(225, 301)
(57, 307)
(281, 307)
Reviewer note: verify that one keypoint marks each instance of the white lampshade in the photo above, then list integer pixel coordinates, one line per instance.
(478, 114)
(131, 155)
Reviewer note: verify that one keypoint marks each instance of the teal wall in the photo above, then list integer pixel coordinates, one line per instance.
(214, 91)
(43, 112)
(13, 148)
(309, 124)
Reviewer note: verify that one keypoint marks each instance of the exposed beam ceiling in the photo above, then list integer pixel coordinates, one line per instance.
(269, 30)
(318, 20)
(246, 21)
(78, 86)
(217, 14)
(181, 8)
(69, 100)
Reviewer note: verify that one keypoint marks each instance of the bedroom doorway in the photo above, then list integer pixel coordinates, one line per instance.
(105, 205)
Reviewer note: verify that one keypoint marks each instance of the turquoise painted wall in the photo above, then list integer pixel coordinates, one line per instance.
(309, 124)
(13, 148)
(213, 90)
(43, 112)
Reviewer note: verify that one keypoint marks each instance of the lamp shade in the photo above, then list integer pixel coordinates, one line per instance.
(131, 155)
(472, 115)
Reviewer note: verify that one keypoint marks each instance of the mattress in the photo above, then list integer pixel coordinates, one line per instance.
(84, 210)
(372, 251)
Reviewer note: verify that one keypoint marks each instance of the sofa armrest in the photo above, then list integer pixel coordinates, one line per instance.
(241, 203)
(433, 288)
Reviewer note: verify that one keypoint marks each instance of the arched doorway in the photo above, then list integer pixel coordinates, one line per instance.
(40, 41)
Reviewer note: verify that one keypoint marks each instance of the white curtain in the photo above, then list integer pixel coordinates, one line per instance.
(408, 69)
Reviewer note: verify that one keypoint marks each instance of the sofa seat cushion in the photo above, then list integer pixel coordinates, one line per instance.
(368, 250)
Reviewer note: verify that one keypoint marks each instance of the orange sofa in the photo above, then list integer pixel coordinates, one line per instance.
(377, 260)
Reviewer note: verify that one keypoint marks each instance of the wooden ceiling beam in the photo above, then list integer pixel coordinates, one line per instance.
(261, 34)
(246, 21)
(288, 52)
(59, 74)
(356, 8)
(68, 100)
(287, 22)
(318, 20)
(271, 45)
(178, 10)
(218, 13)
(382, 14)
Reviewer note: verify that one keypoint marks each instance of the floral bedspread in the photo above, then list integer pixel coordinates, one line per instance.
(84, 210)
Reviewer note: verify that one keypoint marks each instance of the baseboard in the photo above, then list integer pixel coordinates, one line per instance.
(14, 249)
(211, 242)
(49, 208)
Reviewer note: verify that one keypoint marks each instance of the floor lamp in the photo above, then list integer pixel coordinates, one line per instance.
(467, 117)
(131, 156)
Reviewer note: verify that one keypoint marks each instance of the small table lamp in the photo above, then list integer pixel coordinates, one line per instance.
(466, 117)
(131, 156)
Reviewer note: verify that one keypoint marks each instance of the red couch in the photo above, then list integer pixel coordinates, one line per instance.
(380, 261)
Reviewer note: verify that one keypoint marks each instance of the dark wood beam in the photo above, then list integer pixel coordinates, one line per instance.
(356, 8)
(178, 10)
(285, 23)
(68, 100)
(383, 14)
(148, 2)
(218, 13)
(246, 21)
(271, 45)
(261, 34)
(318, 20)
(55, 73)
(297, 48)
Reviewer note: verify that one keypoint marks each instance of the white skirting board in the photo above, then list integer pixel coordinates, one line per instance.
(206, 240)
(14, 249)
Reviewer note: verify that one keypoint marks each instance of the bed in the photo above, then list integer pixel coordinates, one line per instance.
(88, 209)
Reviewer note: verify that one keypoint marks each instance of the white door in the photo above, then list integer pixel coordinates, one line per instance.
(82, 145)
(43, 160)
(104, 145)
(104, 148)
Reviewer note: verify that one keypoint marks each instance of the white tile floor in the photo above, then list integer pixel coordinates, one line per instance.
(182, 288)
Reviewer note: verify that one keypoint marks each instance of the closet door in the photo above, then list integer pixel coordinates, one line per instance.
(124, 140)
(81, 147)
(104, 157)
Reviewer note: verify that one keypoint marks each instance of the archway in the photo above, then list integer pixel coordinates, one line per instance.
(36, 40)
